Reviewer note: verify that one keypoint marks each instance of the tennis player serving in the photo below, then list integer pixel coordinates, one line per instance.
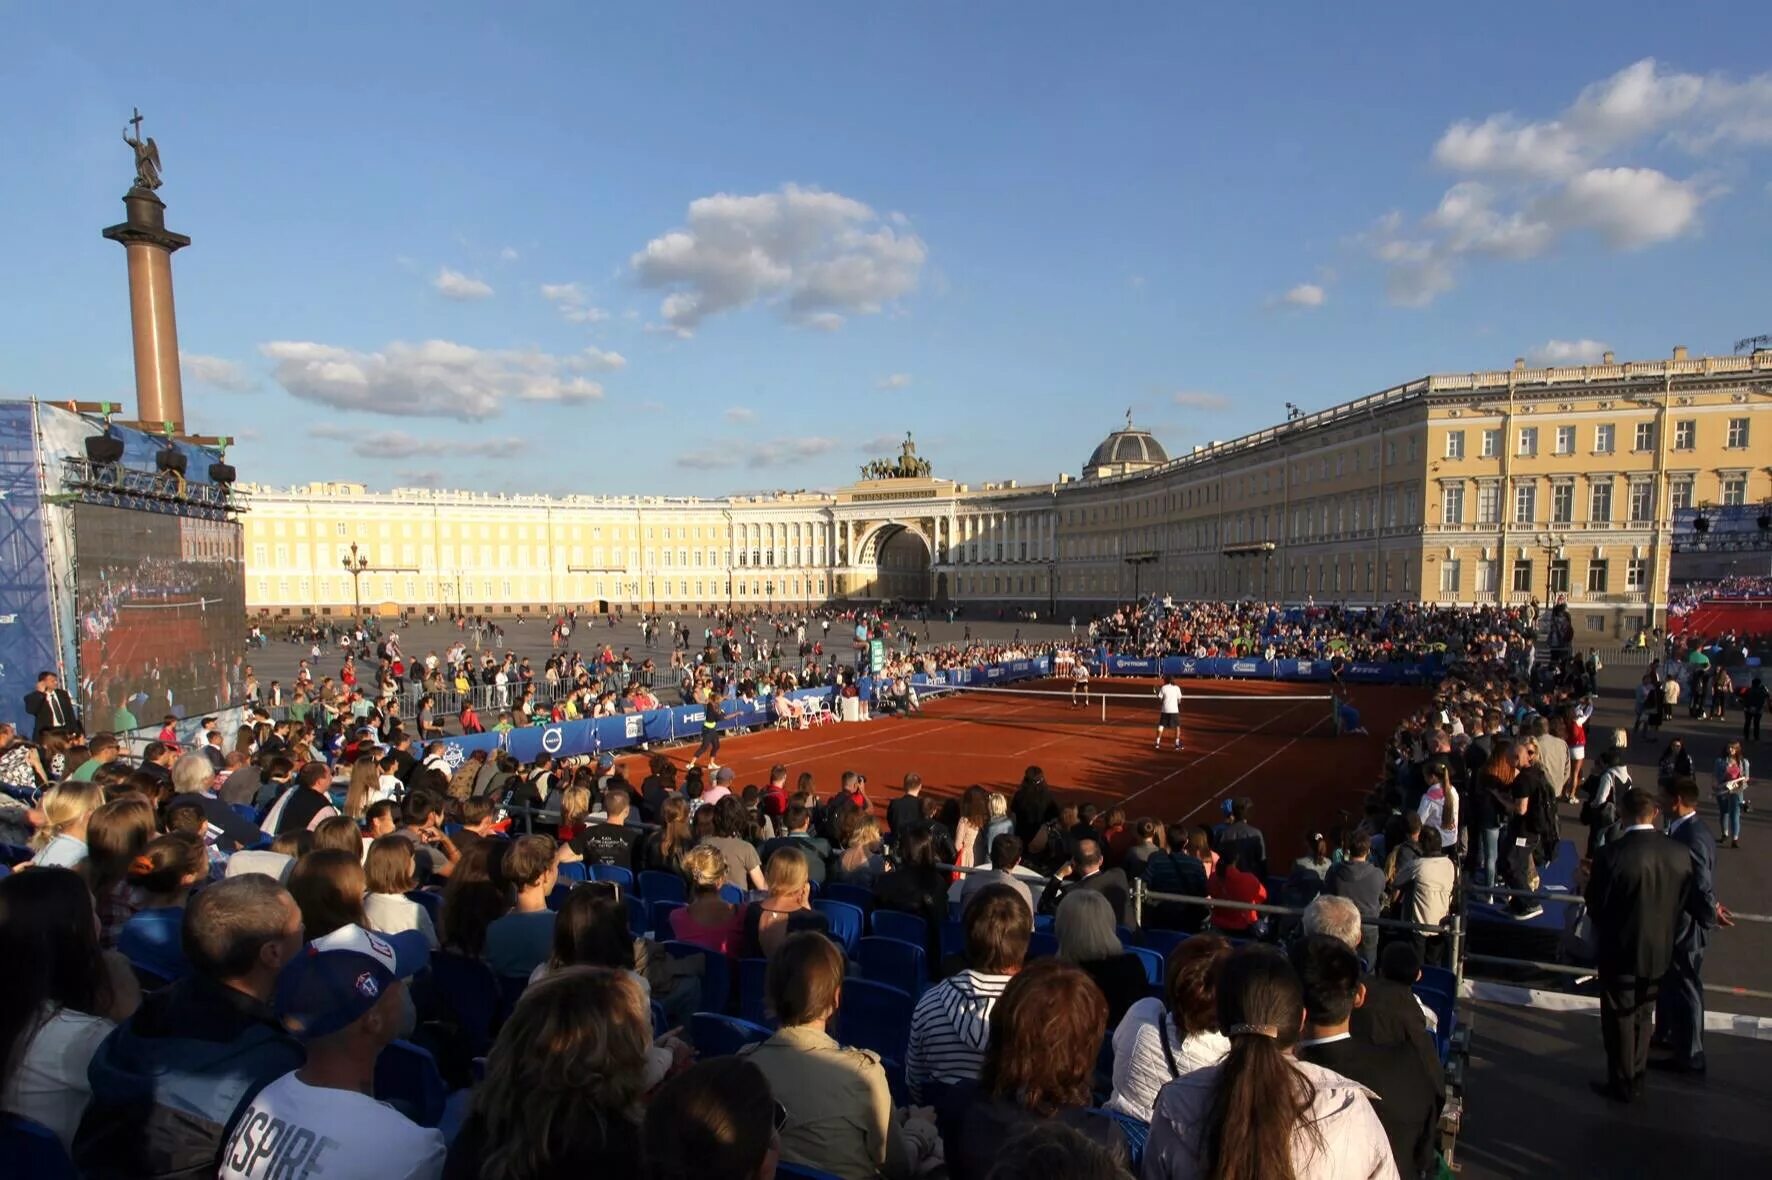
(1168, 711)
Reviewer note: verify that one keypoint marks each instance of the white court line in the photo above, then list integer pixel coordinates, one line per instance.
(1229, 787)
(1209, 753)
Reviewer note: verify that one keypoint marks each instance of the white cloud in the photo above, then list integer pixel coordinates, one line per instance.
(1196, 400)
(508, 254)
(893, 381)
(432, 379)
(1305, 295)
(398, 444)
(782, 451)
(573, 303)
(1567, 352)
(596, 360)
(217, 372)
(740, 414)
(452, 284)
(1629, 207)
(815, 256)
(707, 458)
(426, 478)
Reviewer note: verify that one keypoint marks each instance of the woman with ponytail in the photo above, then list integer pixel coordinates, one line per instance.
(1261, 1114)
(61, 841)
(163, 876)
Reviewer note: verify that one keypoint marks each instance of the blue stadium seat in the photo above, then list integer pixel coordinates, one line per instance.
(953, 938)
(406, 1077)
(904, 927)
(574, 871)
(1127, 935)
(636, 915)
(731, 894)
(716, 973)
(661, 918)
(1137, 1133)
(558, 895)
(31, 1149)
(1042, 945)
(845, 920)
(1438, 979)
(790, 1171)
(431, 903)
(614, 874)
(893, 961)
(1043, 921)
(654, 886)
(714, 1035)
(753, 979)
(900, 1089)
(1445, 1012)
(660, 1022)
(247, 812)
(1164, 941)
(469, 990)
(855, 895)
(1153, 964)
(875, 1016)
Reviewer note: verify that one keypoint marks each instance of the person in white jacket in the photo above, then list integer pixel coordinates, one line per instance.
(1261, 1112)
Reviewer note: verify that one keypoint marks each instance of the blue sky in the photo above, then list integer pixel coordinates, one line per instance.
(696, 248)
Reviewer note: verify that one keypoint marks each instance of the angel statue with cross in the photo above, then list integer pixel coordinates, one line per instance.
(147, 154)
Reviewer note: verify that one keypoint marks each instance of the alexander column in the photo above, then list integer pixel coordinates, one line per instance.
(148, 244)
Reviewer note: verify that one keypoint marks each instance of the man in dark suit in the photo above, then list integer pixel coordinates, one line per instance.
(1679, 1011)
(1388, 1014)
(1407, 1105)
(1085, 871)
(1640, 885)
(51, 707)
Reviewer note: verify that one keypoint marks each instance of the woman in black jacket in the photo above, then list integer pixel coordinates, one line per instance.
(916, 886)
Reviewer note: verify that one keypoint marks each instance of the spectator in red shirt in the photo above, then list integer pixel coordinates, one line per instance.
(773, 802)
(1231, 883)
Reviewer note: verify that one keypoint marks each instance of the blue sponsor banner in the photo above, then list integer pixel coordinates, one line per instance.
(1222, 667)
(27, 624)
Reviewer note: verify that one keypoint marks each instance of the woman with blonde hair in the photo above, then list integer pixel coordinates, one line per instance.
(709, 921)
(861, 861)
(575, 810)
(365, 786)
(390, 872)
(564, 1083)
(786, 910)
(67, 807)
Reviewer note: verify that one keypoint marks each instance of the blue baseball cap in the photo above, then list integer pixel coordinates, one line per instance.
(339, 977)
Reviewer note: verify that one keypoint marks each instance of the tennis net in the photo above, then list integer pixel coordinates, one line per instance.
(1129, 708)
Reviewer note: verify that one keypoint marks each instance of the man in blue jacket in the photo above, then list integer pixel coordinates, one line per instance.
(1679, 1009)
(167, 1082)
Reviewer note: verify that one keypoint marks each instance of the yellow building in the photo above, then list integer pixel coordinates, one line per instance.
(1500, 486)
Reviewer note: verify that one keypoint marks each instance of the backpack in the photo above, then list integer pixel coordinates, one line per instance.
(1593, 813)
(1550, 827)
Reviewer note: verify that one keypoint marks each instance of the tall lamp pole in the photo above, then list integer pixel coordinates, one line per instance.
(355, 564)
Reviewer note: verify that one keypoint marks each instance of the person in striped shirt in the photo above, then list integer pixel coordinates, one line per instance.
(950, 1026)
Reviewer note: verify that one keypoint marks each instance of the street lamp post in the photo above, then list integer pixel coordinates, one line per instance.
(1552, 544)
(355, 564)
(1138, 561)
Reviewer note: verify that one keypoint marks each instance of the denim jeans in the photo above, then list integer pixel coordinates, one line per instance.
(1729, 814)
(1488, 849)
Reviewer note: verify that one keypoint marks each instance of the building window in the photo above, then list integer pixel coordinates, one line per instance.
(1600, 503)
(1491, 443)
(1686, 434)
(1452, 504)
(1562, 503)
(1645, 440)
(1680, 492)
(1528, 440)
(1565, 440)
(1449, 571)
(1454, 445)
(1737, 433)
(1559, 576)
(1734, 490)
(1488, 576)
(1636, 574)
(1642, 501)
(1522, 583)
(1604, 439)
(1526, 503)
(1489, 502)
(1596, 577)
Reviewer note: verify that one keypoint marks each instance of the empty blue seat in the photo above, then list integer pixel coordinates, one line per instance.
(1043, 921)
(753, 980)
(875, 1016)
(636, 915)
(904, 927)
(1438, 979)
(1153, 964)
(1042, 945)
(431, 903)
(655, 885)
(469, 990)
(731, 894)
(791, 1171)
(714, 1035)
(574, 870)
(953, 938)
(1164, 941)
(845, 920)
(1445, 1013)
(247, 812)
(716, 973)
(893, 961)
(614, 874)
(859, 897)
(31, 1149)
(558, 895)
(661, 918)
(407, 1078)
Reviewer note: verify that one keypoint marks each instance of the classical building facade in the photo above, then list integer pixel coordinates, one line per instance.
(1500, 486)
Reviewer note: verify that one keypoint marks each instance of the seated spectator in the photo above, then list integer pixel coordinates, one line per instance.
(67, 808)
(341, 834)
(1259, 1113)
(162, 877)
(1231, 883)
(744, 869)
(1055, 1150)
(786, 909)
(916, 886)
(63, 997)
(1161, 1039)
(1186, 870)
(116, 835)
(591, 930)
(840, 1115)
(1390, 1014)
(663, 850)
(708, 921)
(479, 821)
(193, 776)
(328, 886)
(1087, 870)
(1141, 848)
(1240, 841)
(170, 1080)
(306, 802)
(1087, 936)
(862, 861)
(345, 1000)
(575, 810)
(1006, 869)
(1406, 1105)
(717, 1120)
(563, 1084)
(796, 822)
(389, 874)
(1045, 1035)
(613, 841)
(520, 941)
(951, 1022)
(477, 895)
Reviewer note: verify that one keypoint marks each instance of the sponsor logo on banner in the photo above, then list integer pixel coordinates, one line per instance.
(552, 738)
(1304, 667)
(453, 757)
(993, 672)
(1188, 667)
(1245, 666)
(633, 725)
(695, 717)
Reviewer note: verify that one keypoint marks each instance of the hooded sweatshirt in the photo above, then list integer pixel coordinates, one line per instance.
(166, 1083)
(949, 1030)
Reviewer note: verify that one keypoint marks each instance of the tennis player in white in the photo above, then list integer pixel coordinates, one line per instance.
(1079, 682)
(1168, 711)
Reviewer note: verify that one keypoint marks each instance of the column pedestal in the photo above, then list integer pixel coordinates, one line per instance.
(149, 245)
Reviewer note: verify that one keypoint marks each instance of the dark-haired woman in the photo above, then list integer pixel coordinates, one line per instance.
(1162, 1039)
(1046, 1032)
(1260, 1114)
(163, 877)
(716, 1121)
(60, 995)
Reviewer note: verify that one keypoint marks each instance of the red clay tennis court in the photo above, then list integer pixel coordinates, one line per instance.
(1272, 742)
